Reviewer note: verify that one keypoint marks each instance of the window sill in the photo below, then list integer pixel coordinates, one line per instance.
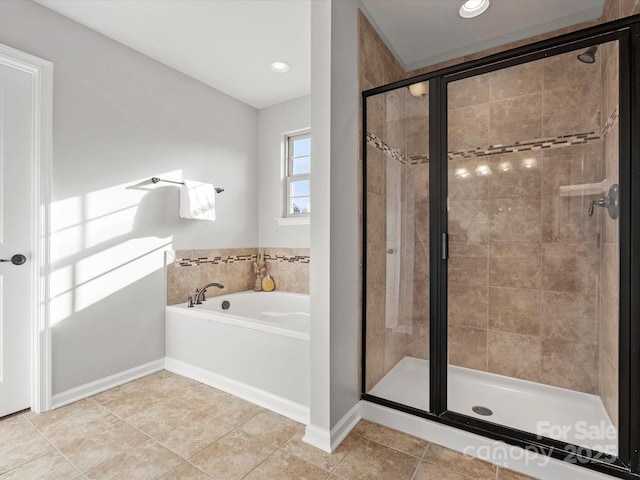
(286, 221)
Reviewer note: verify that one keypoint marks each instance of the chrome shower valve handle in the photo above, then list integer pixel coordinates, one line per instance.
(610, 202)
(601, 202)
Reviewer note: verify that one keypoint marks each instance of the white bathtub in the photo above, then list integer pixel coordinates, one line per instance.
(257, 348)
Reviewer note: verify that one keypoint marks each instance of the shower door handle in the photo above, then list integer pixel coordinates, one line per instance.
(445, 246)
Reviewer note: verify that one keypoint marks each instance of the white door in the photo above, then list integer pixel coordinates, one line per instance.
(16, 119)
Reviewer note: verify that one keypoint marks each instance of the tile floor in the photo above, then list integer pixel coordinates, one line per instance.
(168, 427)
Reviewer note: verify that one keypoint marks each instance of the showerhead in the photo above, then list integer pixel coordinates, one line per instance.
(589, 56)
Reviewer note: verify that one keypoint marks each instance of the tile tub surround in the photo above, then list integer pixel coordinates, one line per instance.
(233, 268)
(168, 427)
(289, 268)
(190, 269)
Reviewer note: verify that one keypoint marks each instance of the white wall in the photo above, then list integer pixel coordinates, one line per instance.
(334, 229)
(119, 119)
(345, 391)
(273, 123)
(317, 432)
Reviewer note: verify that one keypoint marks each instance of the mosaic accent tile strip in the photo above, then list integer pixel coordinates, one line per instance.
(418, 159)
(611, 121)
(194, 262)
(287, 258)
(537, 144)
(384, 148)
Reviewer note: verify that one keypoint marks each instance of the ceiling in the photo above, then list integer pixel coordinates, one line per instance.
(229, 44)
(425, 32)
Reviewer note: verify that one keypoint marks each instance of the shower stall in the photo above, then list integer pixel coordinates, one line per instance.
(500, 247)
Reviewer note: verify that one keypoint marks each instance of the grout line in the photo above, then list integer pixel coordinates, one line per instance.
(263, 461)
(415, 471)
(32, 459)
(54, 447)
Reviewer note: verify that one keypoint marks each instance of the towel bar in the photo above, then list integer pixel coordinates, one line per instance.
(156, 180)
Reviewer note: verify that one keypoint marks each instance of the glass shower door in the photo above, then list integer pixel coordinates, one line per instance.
(533, 247)
(397, 247)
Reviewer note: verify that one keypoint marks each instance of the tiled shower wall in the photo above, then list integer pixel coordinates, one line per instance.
(524, 261)
(609, 258)
(233, 268)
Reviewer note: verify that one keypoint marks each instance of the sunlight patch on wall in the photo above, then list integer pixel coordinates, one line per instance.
(96, 248)
(109, 271)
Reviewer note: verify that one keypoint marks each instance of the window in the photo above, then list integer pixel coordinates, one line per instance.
(298, 168)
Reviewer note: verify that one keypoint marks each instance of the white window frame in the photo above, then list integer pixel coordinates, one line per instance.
(289, 177)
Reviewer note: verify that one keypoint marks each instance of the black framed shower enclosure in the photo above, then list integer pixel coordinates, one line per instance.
(417, 208)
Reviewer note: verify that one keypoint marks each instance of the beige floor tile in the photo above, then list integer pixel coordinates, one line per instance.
(232, 456)
(135, 386)
(367, 460)
(194, 395)
(157, 375)
(272, 428)
(283, 466)
(98, 442)
(162, 416)
(204, 397)
(167, 385)
(187, 419)
(511, 475)
(233, 410)
(197, 432)
(148, 461)
(128, 399)
(391, 438)
(51, 466)
(313, 455)
(186, 472)
(74, 414)
(430, 471)
(88, 421)
(19, 443)
(471, 467)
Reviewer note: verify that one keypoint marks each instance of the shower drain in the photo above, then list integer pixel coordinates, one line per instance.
(480, 410)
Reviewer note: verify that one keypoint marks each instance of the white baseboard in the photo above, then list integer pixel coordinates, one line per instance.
(318, 437)
(288, 408)
(92, 388)
(330, 440)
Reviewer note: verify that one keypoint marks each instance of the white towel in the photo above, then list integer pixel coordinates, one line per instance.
(197, 200)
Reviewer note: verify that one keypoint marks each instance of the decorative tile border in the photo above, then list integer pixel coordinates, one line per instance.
(611, 121)
(537, 144)
(219, 260)
(287, 258)
(418, 159)
(384, 148)
(228, 259)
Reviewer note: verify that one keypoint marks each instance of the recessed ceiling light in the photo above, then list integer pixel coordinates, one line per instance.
(473, 8)
(280, 67)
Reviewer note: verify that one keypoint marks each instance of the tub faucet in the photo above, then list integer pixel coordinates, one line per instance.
(200, 292)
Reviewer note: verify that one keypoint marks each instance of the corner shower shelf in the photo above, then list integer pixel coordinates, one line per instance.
(599, 188)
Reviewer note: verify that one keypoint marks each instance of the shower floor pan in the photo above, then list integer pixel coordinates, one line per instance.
(566, 415)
